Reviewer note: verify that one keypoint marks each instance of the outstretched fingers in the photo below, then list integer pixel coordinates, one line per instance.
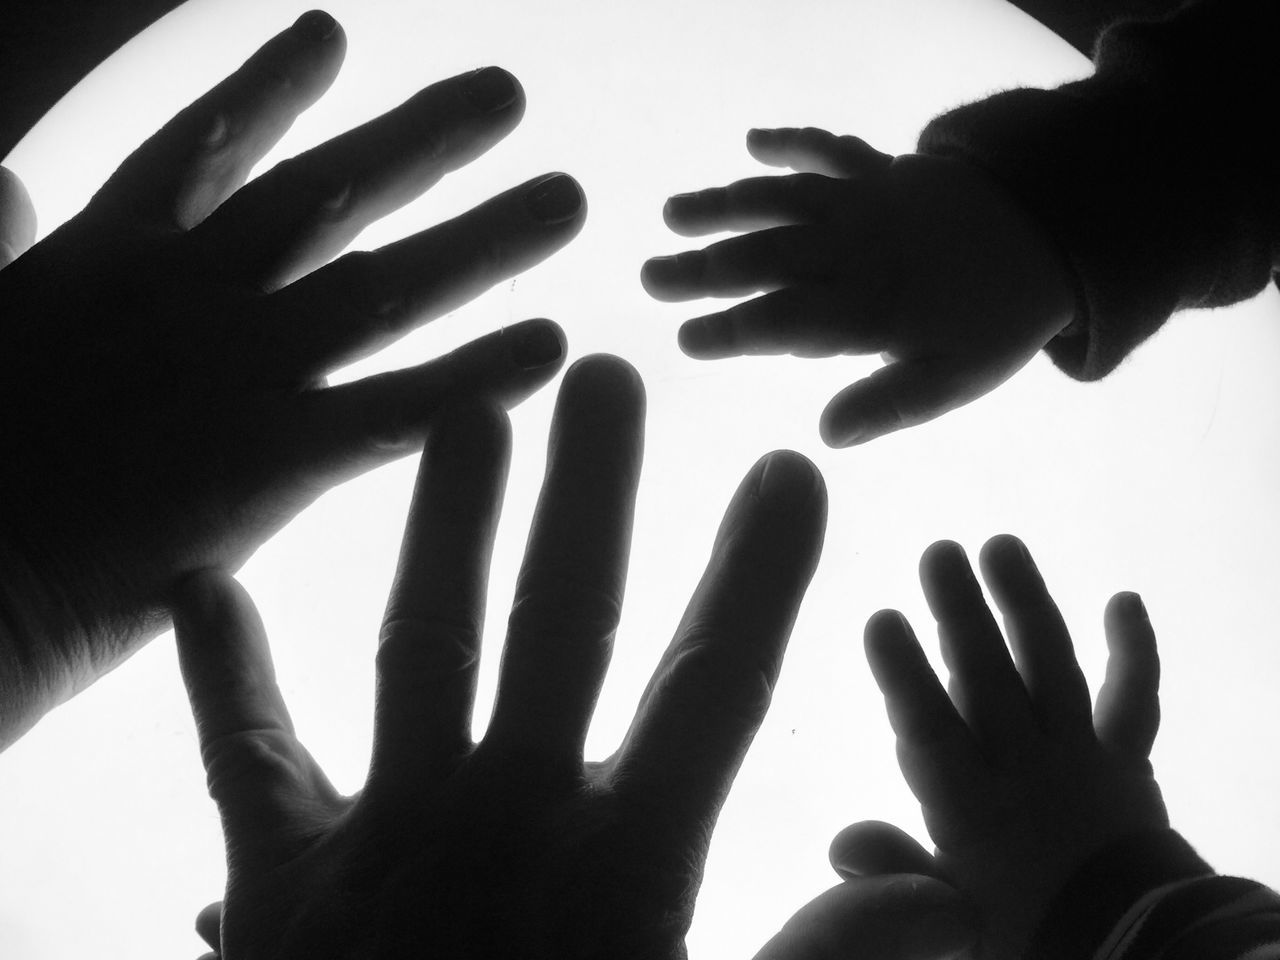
(940, 760)
(429, 646)
(985, 686)
(202, 156)
(364, 301)
(569, 592)
(711, 690)
(323, 437)
(304, 211)
(817, 151)
(1039, 638)
(1127, 714)
(263, 781)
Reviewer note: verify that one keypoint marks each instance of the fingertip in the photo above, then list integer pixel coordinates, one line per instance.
(788, 480)
(842, 423)
(1127, 606)
(538, 344)
(887, 626)
(604, 385)
(700, 339)
(943, 556)
(556, 200)
(1005, 553)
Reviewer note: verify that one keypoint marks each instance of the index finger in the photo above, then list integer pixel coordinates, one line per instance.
(712, 688)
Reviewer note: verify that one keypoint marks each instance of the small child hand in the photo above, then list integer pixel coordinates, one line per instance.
(925, 260)
(1019, 783)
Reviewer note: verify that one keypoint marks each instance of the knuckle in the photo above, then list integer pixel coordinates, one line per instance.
(249, 759)
(411, 648)
(730, 680)
(568, 605)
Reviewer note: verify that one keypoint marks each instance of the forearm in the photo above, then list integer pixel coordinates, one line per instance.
(1149, 174)
(1080, 22)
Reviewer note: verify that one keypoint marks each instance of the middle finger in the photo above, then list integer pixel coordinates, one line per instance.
(306, 209)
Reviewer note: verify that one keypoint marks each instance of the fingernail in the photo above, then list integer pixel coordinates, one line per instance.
(787, 478)
(536, 347)
(554, 199)
(315, 25)
(490, 88)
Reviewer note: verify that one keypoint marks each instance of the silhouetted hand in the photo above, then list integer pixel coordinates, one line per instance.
(924, 260)
(165, 350)
(1019, 783)
(512, 847)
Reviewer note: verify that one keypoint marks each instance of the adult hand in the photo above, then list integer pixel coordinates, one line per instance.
(1020, 784)
(924, 260)
(513, 846)
(166, 349)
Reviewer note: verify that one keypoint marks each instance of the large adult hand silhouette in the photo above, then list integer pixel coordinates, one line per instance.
(927, 261)
(166, 349)
(512, 847)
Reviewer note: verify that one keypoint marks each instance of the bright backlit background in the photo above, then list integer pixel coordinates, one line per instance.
(1163, 479)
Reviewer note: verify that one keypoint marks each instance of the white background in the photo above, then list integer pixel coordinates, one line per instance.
(1162, 479)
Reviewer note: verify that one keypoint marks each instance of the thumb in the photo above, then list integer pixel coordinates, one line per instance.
(903, 393)
(896, 917)
(17, 218)
(259, 775)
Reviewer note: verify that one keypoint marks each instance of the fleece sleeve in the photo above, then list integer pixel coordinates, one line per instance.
(1155, 175)
(1151, 897)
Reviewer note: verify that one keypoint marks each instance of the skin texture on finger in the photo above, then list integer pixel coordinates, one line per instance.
(202, 156)
(804, 321)
(940, 760)
(326, 436)
(711, 689)
(17, 217)
(872, 848)
(365, 301)
(259, 775)
(814, 150)
(985, 686)
(429, 645)
(304, 211)
(568, 597)
(755, 263)
(756, 203)
(1127, 715)
(895, 917)
(1039, 639)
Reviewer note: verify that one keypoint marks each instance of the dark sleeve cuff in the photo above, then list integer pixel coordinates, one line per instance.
(1151, 175)
(1099, 895)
